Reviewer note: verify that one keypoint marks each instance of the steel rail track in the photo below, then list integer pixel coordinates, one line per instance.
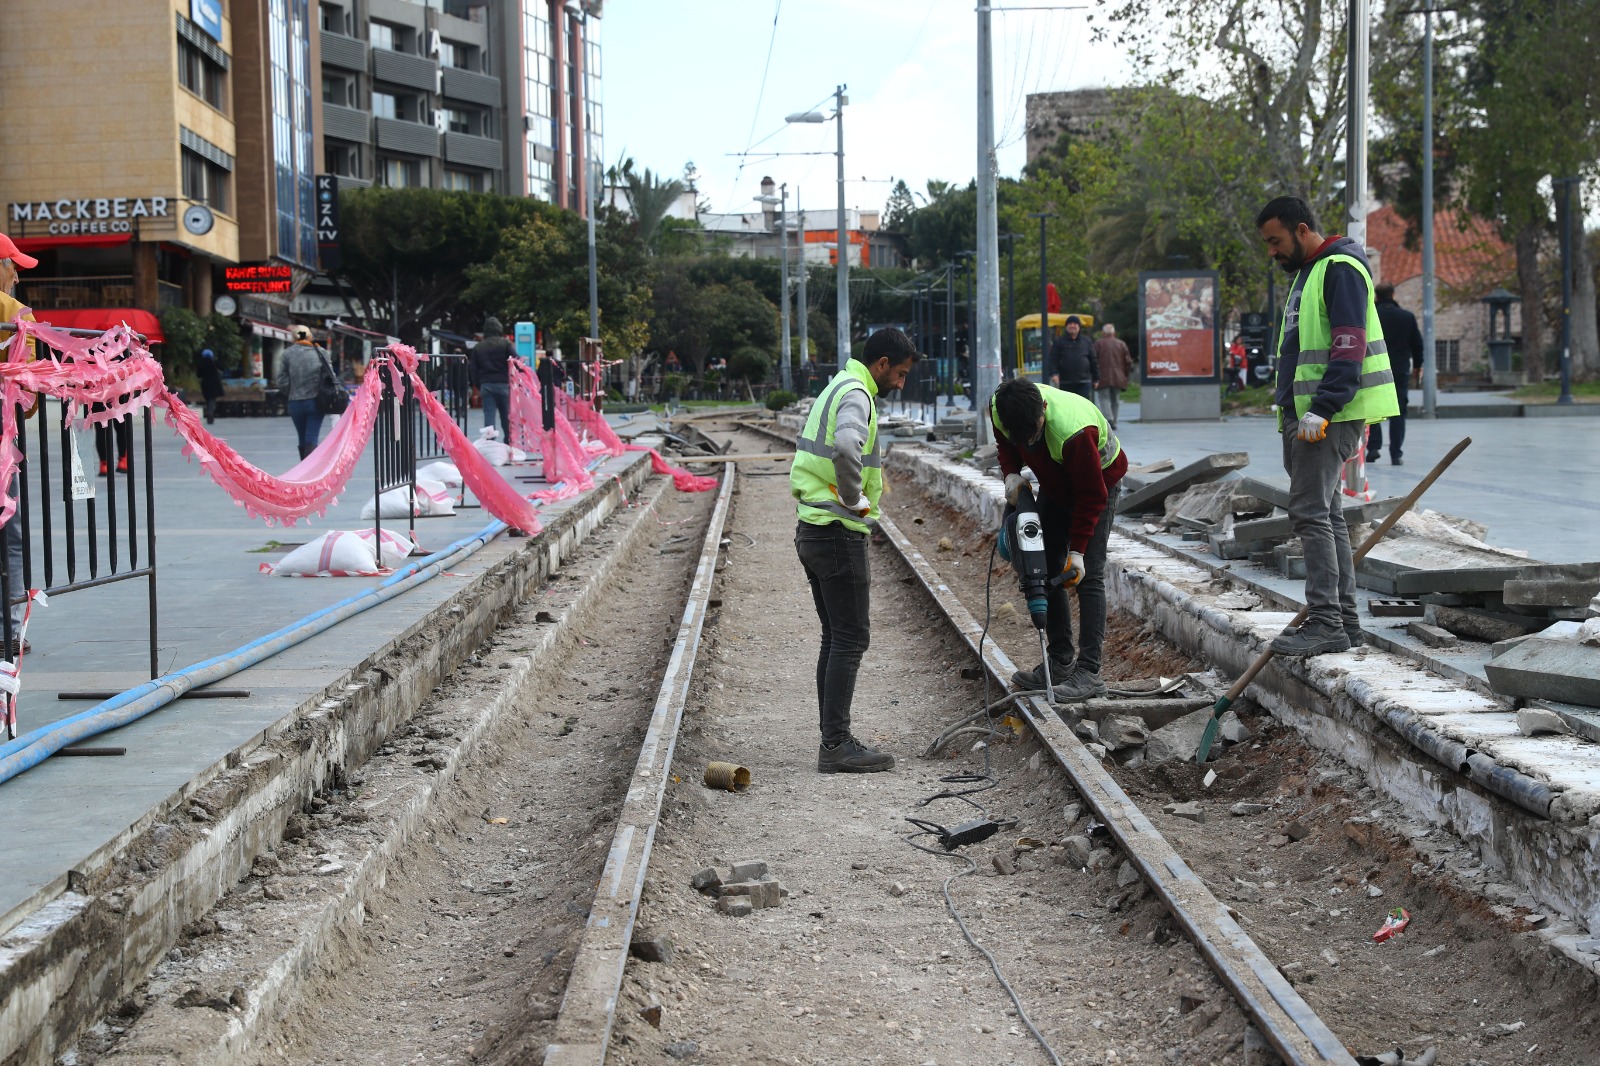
(1277, 1010)
(588, 1008)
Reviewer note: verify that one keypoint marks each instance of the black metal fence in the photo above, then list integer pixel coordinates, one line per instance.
(81, 522)
(394, 444)
(446, 377)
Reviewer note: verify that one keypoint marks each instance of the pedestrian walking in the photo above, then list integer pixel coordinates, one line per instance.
(837, 479)
(12, 261)
(301, 368)
(488, 372)
(1238, 365)
(1115, 364)
(1404, 339)
(1333, 379)
(1068, 444)
(1072, 363)
(211, 389)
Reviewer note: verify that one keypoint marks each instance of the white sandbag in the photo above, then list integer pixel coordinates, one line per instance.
(447, 474)
(334, 554)
(498, 454)
(396, 503)
(393, 548)
(434, 497)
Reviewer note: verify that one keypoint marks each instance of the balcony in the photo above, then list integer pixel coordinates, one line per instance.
(471, 87)
(346, 182)
(473, 151)
(347, 53)
(414, 137)
(346, 123)
(399, 68)
(108, 290)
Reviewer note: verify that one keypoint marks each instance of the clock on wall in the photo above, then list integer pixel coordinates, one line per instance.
(198, 219)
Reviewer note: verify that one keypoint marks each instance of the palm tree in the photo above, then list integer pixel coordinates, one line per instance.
(649, 197)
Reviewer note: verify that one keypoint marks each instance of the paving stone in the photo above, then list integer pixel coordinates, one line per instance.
(1551, 592)
(762, 894)
(707, 881)
(1431, 635)
(1232, 730)
(735, 906)
(1077, 850)
(1126, 874)
(1559, 670)
(1245, 810)
(1491, 578)
(1278, 528)
(749, 870)
(651, 948)
(1118, 731)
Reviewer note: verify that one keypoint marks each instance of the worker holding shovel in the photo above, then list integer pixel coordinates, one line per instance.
(1333, 379)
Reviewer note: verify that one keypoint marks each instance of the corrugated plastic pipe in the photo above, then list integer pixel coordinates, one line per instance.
(31, 749)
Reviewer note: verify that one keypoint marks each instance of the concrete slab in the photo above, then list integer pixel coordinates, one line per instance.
(1552, 592)
(1549, 670)
(1278, 527)
(1208, 468)
(1490, 578)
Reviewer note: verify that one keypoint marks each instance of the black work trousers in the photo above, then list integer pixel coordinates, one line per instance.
(835, 561)
(1056, 517)
(1397, 427)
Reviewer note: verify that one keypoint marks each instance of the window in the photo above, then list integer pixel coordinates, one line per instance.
(335, 19)
(204, 182)
(337, 89)
(399, 173)
(344, 159)
(383, 35)
(199, 74)
(462, 181)
(458, 121)
(1447, 356)
(460, 56)
(385, 105)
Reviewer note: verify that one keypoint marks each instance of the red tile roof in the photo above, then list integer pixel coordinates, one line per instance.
(1468, 252)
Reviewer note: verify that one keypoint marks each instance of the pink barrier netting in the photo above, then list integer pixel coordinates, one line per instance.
(117, 372)
(583, 413)
(565, 460)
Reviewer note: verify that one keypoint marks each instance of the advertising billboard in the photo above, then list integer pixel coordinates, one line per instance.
(1179, 339)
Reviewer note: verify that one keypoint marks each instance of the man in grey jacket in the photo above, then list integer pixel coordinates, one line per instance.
(300, 370)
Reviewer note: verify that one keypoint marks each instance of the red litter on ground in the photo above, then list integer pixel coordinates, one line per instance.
(1393, 925)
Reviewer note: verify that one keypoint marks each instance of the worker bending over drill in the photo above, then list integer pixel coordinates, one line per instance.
(1067, 443)
(836, 480)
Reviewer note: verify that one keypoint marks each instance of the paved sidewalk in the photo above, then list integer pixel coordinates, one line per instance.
(212, 599)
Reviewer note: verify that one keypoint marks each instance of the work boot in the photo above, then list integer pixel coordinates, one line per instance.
(1353, 633)
(1033, 680)
(1080, 684)
(852, 757)
(1313, 638)
(122, 465)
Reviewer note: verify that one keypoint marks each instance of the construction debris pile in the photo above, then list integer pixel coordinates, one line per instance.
(1542, 620)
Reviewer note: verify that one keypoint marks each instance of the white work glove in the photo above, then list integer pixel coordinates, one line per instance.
(1073, 571)
(860, 507)
(1313, 428)
(1014, 483)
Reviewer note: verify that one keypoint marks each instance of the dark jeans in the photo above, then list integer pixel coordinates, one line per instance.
(18, 579)
(1082, 388)
(211, 408)
(1316, 510)
(1397, 428)
(1091, 590)
(307, 423)
(835, 560)
(497, 395)
(122, 430)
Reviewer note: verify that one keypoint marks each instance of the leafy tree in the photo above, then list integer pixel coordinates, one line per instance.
(650, 198)
(186, 333)
(898, 211)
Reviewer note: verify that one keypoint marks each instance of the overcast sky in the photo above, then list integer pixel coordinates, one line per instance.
(683, 80)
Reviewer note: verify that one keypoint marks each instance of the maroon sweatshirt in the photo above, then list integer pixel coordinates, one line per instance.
(1076, 482)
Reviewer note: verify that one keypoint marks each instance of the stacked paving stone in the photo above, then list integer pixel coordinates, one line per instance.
(748, 888)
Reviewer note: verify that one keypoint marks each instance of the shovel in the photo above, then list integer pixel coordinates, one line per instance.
(1210, 736)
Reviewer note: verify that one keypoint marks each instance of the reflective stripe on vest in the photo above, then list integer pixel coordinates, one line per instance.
(1375, 398)
(812, 479)
(1066, 414)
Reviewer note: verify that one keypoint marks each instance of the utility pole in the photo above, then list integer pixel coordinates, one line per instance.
(950, 325)
(1566, 185)
(985, 353)
(1008, 329)
(1044, 295)
(1355, 176)
(804, 308)
(1430, 366)
(784, 379)
(842, 244)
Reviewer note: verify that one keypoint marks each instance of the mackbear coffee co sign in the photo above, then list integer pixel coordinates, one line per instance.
(113, 214)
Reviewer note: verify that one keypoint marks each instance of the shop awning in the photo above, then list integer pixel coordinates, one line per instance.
(73, 240)
(104, 318)
(267, 329)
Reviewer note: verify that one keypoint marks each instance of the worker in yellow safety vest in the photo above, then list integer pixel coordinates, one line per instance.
(1333, 380)
(837, 479)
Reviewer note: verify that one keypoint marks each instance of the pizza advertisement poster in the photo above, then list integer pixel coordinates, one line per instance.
(1178, 319)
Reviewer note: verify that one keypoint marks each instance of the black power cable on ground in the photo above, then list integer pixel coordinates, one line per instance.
(972, 832)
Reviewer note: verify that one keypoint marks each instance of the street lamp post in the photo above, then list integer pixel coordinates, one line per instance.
(804, 309)
(1566, 185)
(1008, 334)
(1044, 292)
(842, 240)
(578, 11)
(782, 201)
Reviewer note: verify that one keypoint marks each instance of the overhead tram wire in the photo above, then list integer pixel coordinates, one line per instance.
(755, 116)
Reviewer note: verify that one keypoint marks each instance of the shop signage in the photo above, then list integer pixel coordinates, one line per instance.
(207, 14)
(263, 277)
(328, 222)
(106, 214)
(1178, 316)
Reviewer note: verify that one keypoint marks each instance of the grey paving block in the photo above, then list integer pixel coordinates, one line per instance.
(1560, 670)
(1490, 575)
(1487, 626)
(1281, 526)
(1551, 592)
(1431, 635)
(1153, 492)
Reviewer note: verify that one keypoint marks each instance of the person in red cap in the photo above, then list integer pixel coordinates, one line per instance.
(12, 259)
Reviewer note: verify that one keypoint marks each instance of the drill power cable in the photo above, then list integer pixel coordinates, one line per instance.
(956, 838)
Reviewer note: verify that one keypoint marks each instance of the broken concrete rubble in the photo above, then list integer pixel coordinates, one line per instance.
(1210, 468)
(1178, 740)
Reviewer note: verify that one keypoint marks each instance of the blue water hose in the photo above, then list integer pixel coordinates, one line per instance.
(31, 749)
